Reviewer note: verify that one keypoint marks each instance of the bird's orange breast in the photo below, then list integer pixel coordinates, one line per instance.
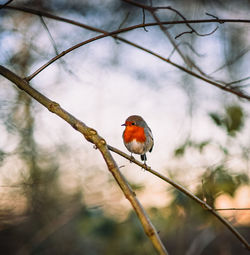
(134, 132)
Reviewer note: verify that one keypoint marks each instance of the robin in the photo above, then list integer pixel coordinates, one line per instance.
(137, 136)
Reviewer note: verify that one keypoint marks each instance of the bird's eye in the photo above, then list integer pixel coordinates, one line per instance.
(133, 123)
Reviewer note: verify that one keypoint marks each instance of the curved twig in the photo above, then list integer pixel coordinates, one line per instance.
(204, 78)
(193, 31)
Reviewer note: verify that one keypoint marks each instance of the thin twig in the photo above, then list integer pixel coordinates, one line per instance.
(92, 136)
(143, 19)
(124, 20)
(231, 61)
(4, 5)
(193, 31)
(153, 9)
(186, 59)
(55, 48)
(223, 87)
(216, 18)
(205, 79)
(238, 81)
(50, 35)
(232, 209)
(189, 46)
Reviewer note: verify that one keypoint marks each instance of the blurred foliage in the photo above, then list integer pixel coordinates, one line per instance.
(218, 181)
(232, 120)
(56, 222)
(180, 151)
(2, 156)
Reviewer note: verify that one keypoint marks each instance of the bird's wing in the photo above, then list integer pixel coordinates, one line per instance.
(151, 136)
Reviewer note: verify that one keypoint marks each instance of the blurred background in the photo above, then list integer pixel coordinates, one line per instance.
(56, 194)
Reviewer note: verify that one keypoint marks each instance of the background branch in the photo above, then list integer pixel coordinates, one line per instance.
(232, 209)
(114, 35)
(4, 5)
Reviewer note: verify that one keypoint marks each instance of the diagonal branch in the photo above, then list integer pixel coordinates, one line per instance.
(236, 92)
(64, 65)
(114, 35)
(186, 59)
(186, 192)
(92, 136)
(4, 5)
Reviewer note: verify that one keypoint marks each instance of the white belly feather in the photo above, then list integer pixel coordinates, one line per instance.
(135, 147)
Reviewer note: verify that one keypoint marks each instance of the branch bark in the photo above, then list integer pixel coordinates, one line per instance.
(92, 136)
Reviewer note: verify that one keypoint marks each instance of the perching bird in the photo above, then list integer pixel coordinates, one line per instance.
(137, 136)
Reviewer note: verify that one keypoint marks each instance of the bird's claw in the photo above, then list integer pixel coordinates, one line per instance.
(146, 166)
(131, 158)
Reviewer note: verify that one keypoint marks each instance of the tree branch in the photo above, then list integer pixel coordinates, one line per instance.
(202, 203)
(4, 5)
(92, 136)
(232, 209)
(176, 22)
(186, 59)
(152, 10)
(114, 35)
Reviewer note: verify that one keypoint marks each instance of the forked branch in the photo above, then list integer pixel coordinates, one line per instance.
(92, 136)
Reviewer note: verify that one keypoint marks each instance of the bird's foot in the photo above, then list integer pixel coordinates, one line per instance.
(146, 166)
(131, 158)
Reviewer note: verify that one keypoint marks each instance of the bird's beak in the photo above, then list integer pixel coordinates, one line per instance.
(124, 124)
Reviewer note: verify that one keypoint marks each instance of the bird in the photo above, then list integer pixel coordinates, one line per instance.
(137, 136)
